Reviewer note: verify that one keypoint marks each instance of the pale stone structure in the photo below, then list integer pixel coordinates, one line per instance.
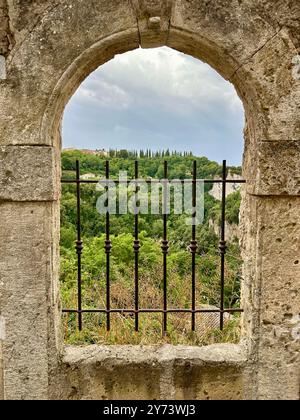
(216, 191)
(49, 47)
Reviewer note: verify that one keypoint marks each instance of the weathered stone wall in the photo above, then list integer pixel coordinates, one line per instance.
(272, 286)
(47, 48)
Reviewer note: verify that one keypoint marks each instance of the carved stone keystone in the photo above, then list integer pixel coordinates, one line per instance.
(154, 21)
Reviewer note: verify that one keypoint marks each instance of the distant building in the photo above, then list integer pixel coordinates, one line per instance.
(97, 152)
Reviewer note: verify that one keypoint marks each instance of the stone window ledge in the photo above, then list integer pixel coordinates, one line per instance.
(153, 372)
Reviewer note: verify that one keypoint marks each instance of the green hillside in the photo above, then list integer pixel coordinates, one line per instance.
(122, 267)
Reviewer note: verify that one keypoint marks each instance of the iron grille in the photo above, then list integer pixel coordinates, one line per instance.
(165, 246)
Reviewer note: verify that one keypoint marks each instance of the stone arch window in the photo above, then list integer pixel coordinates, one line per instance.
(48, 55)
(115, 94)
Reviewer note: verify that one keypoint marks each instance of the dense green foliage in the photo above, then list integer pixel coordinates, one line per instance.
(122, 266)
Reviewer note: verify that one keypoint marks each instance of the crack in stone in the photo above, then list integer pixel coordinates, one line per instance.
(248, 60)
(137, 20)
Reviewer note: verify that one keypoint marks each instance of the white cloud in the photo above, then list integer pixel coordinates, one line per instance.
(156, 98)
(164, 76)
(97, 91)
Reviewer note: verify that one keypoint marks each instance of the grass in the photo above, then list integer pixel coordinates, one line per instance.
(122, 296)
(122, 333)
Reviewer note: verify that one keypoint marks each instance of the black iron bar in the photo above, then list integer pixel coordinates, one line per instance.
(136, 248)
(79, 246)
(223, 245)
(165, 246)
(108, 248)
(194, 246)
(158, 311)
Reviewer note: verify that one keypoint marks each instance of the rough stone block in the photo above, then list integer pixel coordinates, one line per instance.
(279, 347)
(271, 251)
(220, 382)
(279, 232)
(276, 169)
(220, 22)
(26, 287)
(274, 113)
(28, 174)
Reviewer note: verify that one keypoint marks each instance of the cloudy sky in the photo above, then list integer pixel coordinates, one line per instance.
(157, 99)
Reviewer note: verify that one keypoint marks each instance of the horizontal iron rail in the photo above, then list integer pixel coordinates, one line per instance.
(118, 182)
(158, 311)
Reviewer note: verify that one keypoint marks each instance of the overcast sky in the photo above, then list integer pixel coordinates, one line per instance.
(157, 99)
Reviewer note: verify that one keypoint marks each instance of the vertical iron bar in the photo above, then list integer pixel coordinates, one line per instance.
(79, 246)
(108, 248)
(194, 246)
(165, 247)
(136, 248)
(223, 246)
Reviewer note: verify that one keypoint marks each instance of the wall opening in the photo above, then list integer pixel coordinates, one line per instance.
(153, 106)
